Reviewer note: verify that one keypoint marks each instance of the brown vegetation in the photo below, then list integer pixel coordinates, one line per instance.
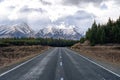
(108, 53)
(13, 54)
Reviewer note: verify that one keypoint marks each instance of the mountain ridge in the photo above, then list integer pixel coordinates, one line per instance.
(59, 33)
(23, 30)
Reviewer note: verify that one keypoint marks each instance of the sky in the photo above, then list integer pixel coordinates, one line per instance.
(43, 13)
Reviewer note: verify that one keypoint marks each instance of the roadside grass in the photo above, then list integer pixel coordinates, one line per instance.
(103, 53)
(13, 54)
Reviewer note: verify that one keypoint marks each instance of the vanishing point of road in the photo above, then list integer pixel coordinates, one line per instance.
(59, 64)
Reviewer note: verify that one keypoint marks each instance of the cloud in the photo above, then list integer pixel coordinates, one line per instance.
(41, 13)
(80, 19)
(79, 15)
(38, 24)
(80, 2)
(1, 0)
(103, 7)
(117, 1)
(28, 10)
(45, 2)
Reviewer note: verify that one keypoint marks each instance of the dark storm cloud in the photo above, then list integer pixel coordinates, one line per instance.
(79, 2)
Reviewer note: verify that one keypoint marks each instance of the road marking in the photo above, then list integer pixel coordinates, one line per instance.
(17, 66)
(101, 66)
(37, 70)
(61, 78)
(21, 64)
(98, 65)
(104, 79)
(60, 57)
(60, 53)
(60, 63)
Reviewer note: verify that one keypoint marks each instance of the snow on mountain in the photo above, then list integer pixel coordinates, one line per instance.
(54, 31)
(59, 32)
(16, 30)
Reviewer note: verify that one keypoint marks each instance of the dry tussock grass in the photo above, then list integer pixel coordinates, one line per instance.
(104, 53)
(12, 54)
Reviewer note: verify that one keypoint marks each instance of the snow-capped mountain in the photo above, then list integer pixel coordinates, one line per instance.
(55, 32)
(16, 30)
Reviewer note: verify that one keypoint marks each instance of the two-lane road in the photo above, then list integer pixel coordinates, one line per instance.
(59, 64)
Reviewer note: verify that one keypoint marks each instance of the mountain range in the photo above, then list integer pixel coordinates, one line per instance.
(23, 30)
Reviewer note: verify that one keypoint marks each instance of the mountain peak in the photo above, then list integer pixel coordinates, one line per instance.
(53, 31)
(59, 32)
(16, 30)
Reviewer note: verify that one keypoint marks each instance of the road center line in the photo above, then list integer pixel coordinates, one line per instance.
(60, 57)
(60, 63)
(61, 78)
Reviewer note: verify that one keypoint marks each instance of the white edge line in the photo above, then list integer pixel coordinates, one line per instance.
(18, 66)
(61, 78)
(98, 65)
(21, 65)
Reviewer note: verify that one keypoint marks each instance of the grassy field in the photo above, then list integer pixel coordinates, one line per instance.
(13, 54)
(107, 53)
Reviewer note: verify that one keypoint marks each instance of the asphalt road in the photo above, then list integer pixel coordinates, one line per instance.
(59, 64)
